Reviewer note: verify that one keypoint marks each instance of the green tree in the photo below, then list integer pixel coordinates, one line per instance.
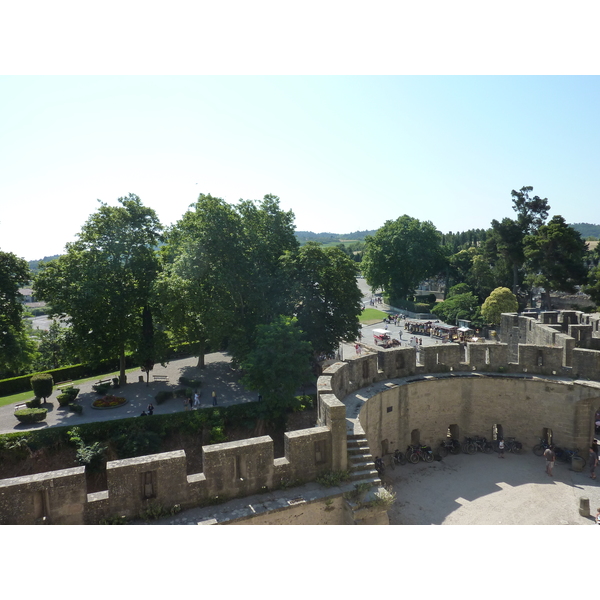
(402, 254)
(223, 274)
(42, 384)
(506, 238)
(16, 349)
(501, 300)
(556, 258)
(459, 304)
(324, 295)
(55, 348)
(278, 364)
(101, 285)
(593, 285)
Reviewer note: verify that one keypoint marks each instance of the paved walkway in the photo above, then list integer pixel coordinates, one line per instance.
(218, 375)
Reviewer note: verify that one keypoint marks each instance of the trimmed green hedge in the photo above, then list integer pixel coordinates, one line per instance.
(31, 415)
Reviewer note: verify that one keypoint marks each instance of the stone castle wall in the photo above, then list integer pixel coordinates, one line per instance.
(423, 405)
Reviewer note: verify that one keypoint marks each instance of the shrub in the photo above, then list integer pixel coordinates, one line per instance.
(217, 435)
(71, 391)
(41, 384)
(101, 388)
(190, 382)
(34, 402)
(31, 415)
(162, 396)
(76, 408)
(64, 399)
(333, 478)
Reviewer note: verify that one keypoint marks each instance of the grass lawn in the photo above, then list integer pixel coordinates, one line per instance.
(372, 315)
(23, 396)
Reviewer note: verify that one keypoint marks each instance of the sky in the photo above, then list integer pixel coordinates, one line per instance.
(344, 153)
(349, 131)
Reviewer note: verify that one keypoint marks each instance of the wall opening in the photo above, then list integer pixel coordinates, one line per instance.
(40, 506)
(239, 467)
(487, 356)
(380, 361)
(415, 437)
(399, 360)
(384, 447)
(365, 370)
(149, 484)
(540, 358)
(453, 432)
(497, 432)
(320, 452)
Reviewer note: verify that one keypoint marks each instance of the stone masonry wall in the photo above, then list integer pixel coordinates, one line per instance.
(523, 407)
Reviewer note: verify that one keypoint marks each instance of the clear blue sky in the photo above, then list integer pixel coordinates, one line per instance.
(345, 153)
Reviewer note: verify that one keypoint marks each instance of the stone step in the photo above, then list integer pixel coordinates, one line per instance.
(364, 474)
(366, 465)
(357, 444)
(361, 457)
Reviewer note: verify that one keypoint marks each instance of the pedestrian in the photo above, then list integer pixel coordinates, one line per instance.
(260, 397)
(598, 516)
(593, 463)
(186, 403)
(143, 414)
(356, 347)
(150, 408)
(501, 448)
(550, 458)
(196, 400)
(214, 398)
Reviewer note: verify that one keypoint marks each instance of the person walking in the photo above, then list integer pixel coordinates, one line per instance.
(593, 458)
(196, 400)
(501, 448)
(214, 398)
(550, 458)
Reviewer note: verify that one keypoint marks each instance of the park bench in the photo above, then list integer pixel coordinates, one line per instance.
(160, 377)
(61, 385)
(109, 380)
(20, 406)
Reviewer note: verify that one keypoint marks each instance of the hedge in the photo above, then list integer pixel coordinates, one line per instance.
(31, 415)
(16, 385)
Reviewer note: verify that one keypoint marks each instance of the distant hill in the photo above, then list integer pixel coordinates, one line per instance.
(324, 238)
(34, 264)
(587, 229)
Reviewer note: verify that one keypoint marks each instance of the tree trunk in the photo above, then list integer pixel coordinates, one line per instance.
(122, 376)
(201, 364)
(515, 278)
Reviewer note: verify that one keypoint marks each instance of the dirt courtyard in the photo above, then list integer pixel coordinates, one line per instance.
(482, 489)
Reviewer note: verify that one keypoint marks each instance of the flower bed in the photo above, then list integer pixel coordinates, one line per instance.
(108, 402)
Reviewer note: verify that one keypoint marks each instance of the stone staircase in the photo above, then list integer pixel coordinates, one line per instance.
(360, 461)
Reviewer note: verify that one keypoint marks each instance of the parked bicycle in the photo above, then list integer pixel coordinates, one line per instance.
(472, 445)
(565, 455)
(449, 445)
(540, 448)
(415, 453)
(398, 458)
(510, 445)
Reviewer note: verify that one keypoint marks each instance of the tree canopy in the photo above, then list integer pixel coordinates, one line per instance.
(278, 364)
(401, 254)
(324, 295)
(501, 300)
(103, 282)
(16, 349)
